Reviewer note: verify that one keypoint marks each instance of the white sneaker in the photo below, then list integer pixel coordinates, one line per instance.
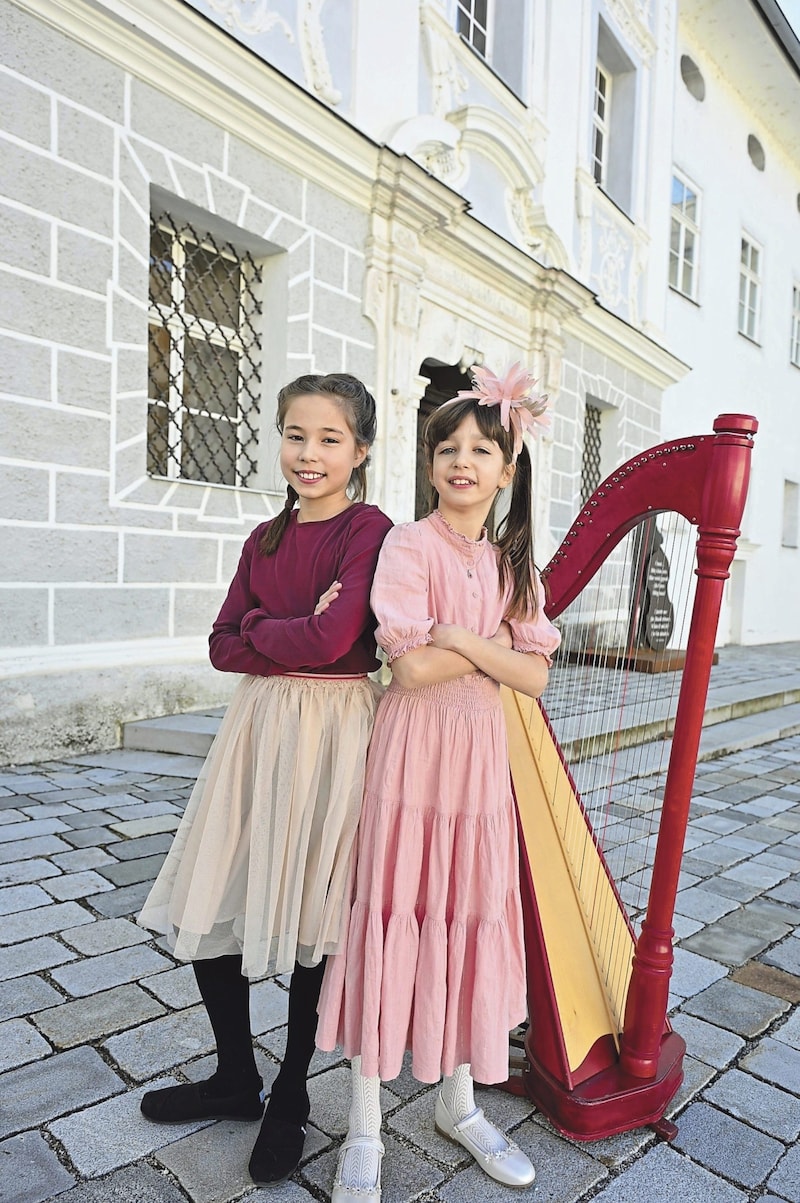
(360, 1181)
(498, 1156)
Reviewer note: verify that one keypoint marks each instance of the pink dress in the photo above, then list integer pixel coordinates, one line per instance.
(433, 959)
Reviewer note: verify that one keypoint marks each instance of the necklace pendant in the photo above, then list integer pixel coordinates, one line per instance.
(469, 572)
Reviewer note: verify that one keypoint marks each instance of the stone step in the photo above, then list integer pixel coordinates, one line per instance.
(189, 734)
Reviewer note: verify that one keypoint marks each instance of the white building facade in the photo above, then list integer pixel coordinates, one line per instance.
(203, 200)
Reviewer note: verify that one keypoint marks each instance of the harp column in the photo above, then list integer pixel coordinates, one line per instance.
(722, 504)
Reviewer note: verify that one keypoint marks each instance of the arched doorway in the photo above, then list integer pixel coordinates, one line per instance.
(445, 381)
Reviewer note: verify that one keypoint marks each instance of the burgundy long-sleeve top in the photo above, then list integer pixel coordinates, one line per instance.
(267, 624)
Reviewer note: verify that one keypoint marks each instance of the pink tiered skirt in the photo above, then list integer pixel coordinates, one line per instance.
(433, 959)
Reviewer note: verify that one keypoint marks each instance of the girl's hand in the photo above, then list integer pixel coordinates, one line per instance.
(503, 635)
(446, 635)
(327, 597)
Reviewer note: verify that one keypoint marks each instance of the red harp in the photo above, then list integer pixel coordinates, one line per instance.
(600, 1056)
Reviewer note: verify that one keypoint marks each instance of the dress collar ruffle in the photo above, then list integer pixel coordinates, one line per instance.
(469, 550)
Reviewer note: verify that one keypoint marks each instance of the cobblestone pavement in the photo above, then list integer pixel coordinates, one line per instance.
(93, 1011)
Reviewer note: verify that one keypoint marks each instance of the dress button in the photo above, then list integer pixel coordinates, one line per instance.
(476, 595)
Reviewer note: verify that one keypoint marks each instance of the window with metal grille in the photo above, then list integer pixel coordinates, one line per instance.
(795, 344)
(592, 452)
(684, 237)
(749, 288)
(600, 122)
(204, 353)
(472, 22)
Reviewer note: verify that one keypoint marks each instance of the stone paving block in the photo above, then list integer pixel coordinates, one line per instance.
(135, 827)
(127, 900)
(765, 806)
(43, 845)
(94, 974)
(88, 1019)
(785, 955)
(24, 995)
(787, 891)
(283, 1192)
(785, 1181)
(90, 837)
(696, 1075)
(37, 1093)
(130, 872)
(328, 1092)
(32, 956)
(120, 800)
(789, 1032)
(144, 810)
(88, 818)
(77, 885)
(269, 1006)
(133, 1184)
(766, 1107)
(737, 890)
(12, 814)
(31, 1165)
(752, 873)
(105, 935)
(14, 832)
(720, 853)
(175, 987)
(738, 1008)
(664, 1175)
(726, 1146)
(691, 973)
(78, 860)
(27, 870)
(27, 925)
(563, 1172)
(706, 1042)
(777, 1062)
(93, 802)
(211, 1165)
(404, 1174)
(723, 944)
(107, 1135)
(719, 824)
(700, 903)
(20, 1043)
(414, 1122)
(22, 898)
(162, 1043)
(145, 845)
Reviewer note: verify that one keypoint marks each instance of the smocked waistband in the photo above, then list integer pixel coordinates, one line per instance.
(475, 692)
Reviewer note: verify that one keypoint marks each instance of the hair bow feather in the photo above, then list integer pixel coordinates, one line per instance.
(521, 408)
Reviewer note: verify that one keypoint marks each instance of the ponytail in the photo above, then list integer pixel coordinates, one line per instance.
(276, 528)
(515, 541)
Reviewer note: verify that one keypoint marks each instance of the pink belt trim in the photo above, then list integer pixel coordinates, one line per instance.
(327, 676)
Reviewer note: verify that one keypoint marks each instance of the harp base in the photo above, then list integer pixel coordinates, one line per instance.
(611, 1101)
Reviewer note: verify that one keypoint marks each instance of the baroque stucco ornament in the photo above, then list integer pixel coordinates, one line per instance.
(255, 17)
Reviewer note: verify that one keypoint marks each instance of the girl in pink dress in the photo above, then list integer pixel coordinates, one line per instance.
(434, 958)
(258, 876)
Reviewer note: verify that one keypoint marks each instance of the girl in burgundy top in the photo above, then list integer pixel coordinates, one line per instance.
(256, 878)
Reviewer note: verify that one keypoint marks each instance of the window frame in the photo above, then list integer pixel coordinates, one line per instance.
(601, 124)
(750, 283)
(794, 343)
(467, 9)
(685, 226)
(183, 327)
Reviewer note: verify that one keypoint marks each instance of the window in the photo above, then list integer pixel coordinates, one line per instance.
(472, 22)
(790, 513)
(203, 356)
(749, 288)
(613, 126)
(592, 451)
(795, 345)
(684, 237)
(602, 105)
(693, 78)
(756, 152)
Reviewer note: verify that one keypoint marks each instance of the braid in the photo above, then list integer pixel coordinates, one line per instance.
(277, 527)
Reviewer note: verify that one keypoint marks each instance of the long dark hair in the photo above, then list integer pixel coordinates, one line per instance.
(514, 536)
(358, 407)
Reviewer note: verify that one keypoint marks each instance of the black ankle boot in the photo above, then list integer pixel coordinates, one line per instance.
(279, 1146)
(202, 1100)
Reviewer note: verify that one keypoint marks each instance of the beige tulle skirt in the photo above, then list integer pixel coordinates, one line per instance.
(261, 862)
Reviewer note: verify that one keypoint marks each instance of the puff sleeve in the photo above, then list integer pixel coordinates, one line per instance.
(400, 599)
(536, 634)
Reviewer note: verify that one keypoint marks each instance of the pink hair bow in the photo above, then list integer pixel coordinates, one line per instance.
(520, 407)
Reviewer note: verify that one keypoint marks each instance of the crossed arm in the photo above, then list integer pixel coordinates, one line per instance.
(457, 652)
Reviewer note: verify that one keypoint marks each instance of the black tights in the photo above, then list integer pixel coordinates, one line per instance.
(226, 995)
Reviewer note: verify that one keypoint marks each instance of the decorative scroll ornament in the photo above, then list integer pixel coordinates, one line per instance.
(312, 51)
(250, 16)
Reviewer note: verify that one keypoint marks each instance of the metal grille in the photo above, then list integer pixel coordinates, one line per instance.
(590, 464)
(204, 352)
